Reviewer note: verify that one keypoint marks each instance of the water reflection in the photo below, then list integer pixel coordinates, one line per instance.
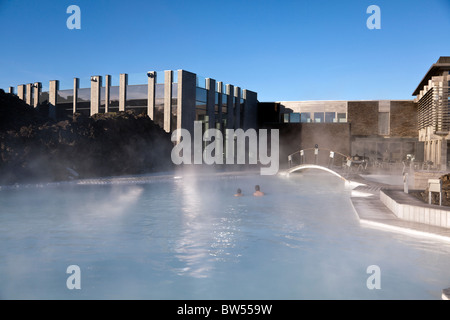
(209, 231)
(191, 246)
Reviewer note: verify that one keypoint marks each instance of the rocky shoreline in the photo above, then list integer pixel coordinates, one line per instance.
(34, 148)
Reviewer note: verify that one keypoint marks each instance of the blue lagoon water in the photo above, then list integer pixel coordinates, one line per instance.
(190, 238)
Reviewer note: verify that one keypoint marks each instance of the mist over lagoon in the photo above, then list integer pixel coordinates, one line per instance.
(276, 150)
(190, 238)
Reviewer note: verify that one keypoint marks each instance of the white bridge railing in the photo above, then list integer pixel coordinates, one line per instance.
(323, 157)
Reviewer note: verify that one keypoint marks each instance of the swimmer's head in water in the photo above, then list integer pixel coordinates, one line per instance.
(257, 187)
(239, 191)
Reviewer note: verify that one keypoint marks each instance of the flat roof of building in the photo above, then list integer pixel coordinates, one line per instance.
(442, 64)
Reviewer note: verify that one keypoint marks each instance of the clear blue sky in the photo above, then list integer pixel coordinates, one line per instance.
(284, 50)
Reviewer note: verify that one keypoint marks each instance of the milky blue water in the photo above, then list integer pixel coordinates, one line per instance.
(190, 238)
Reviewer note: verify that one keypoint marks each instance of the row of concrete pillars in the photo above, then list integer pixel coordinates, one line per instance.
(186, 99)
(30, 93)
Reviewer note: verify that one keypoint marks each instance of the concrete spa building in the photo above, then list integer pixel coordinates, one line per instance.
(433, 99)
(173, 99)
(381, 130)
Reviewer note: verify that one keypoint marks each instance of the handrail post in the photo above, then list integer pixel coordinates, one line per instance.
(316, 154)
(331, 159)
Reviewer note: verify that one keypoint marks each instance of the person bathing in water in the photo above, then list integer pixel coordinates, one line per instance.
(258, 192)
(238, 193)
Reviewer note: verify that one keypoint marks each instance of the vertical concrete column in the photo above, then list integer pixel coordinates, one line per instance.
(220, 102)
(237, 108)
(28, 93)
(52, 96)
(76, 86)
(151, 94)
(96, 84)
(107, 92)
(186, 101)
(210, 102)
(443, 159)
(425, 150)
(36, 92)
(168, 77)
(433, 151)
(430, 151)
(436, 152)
(123, 91)
(250, 110)
(11, 90)
(21, 91)
(230, 106)
(384, 106)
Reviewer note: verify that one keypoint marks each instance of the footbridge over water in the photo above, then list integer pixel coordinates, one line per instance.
(334, 162)
(313, 166)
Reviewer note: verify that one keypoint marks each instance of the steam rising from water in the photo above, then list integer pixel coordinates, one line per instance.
(191, 238)
(118, 201)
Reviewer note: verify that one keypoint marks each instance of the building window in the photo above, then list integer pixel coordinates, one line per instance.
(200, 104)
(216, 103)
(224, 105)
(295, 117)
(342, 117)
(318, 117)
(286, 117)
(383, 123)
(330, 117)
(305, 117)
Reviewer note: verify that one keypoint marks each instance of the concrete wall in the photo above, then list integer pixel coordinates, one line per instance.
(52, 95)
(427, 214)
(237, 108)
(250, 110)
(220, 90)
(21, 91)
(363, 117)
(314, 106)
(107, 92)
(230, 99)
(123, 83)
(168, 78)
(402, 130)
(210, 102)
(186, 100)
(29, 94)
(151, 94)
(96, 84)
(403, 119)
(36, 91)
(76, 86)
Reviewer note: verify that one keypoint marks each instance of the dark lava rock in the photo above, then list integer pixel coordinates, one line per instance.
(35, 148)
(15, 113)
